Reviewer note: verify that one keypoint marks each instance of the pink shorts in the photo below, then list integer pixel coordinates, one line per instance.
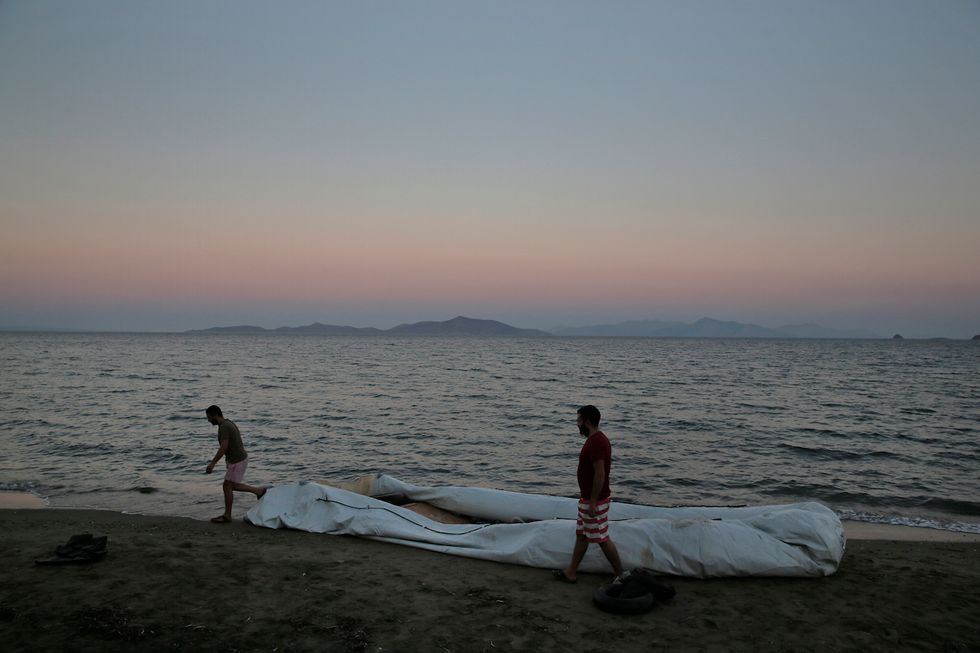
(235, 472)
(595, 529)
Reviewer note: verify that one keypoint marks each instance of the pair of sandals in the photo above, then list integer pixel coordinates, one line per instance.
(78, 549)
(635, 591)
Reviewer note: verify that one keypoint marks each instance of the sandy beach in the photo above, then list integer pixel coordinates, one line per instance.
(175, 583)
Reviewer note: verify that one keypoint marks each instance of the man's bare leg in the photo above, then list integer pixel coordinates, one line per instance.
(581, 546)
(241, 487)
(229, 498)
(612, 555)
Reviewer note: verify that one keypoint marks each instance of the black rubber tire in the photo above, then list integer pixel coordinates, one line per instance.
(660, 591)
(608, 598)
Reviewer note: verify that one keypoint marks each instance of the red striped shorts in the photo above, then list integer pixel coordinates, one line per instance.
(595, 529)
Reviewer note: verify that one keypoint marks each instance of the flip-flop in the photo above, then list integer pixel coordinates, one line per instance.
(560, 575)
(220, 519)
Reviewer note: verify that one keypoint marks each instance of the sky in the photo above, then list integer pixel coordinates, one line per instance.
(184, 164)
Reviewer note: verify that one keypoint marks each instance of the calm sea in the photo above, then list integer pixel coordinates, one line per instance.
(878, 430)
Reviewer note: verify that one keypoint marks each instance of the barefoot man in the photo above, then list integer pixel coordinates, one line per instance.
(230, 446)
(592, 526)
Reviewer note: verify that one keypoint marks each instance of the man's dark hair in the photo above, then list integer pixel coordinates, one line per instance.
(213, 410)
(590, 414)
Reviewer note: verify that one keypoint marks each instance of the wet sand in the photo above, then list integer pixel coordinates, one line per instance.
(174, 583)
(21, 500)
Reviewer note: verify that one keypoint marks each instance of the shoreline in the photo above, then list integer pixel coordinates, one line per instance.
(163, 578)
(12, 500)
(855, 530)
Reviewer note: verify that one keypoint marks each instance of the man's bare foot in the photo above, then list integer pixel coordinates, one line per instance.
(563, 577)
(220, 519)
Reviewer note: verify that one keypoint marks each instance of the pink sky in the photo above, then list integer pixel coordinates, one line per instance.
(131, 263)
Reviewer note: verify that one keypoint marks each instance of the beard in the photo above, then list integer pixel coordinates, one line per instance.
(583, 430)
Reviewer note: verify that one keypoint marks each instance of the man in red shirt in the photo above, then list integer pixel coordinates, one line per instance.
(592, 526)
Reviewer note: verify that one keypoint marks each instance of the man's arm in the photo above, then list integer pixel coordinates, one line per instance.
(598, 480)
(221, 451)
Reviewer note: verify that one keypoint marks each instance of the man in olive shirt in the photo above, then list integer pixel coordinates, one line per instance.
(230, 446)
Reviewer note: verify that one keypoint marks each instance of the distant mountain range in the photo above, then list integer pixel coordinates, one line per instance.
(458, 326)
(708, 328)
(465, 326)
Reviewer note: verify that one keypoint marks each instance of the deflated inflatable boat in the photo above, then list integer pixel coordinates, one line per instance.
(800, 539)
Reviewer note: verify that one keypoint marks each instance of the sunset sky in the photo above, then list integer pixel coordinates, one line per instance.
(176, 165)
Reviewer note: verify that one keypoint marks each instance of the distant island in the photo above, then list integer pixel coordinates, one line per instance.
(458, 326)
(470, 327)
(461, 326)
(708, 328)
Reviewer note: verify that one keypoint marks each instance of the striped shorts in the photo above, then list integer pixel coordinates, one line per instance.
(595, 529)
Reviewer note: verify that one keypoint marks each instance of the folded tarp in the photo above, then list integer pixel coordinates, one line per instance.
(802, 539)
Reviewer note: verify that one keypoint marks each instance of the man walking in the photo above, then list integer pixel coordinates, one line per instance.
(592, 527)
(236, 460)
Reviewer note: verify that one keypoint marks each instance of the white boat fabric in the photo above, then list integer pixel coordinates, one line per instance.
(801, 539)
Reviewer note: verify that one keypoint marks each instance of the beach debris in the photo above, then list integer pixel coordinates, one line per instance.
(81, 548)
(633, 592)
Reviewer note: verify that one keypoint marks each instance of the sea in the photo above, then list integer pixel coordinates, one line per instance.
(882, 431)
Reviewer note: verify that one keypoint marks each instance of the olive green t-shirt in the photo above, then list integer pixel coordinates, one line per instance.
(235, 453)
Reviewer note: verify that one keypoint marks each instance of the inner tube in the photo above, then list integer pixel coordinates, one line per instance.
(660, 591)
(624, 598)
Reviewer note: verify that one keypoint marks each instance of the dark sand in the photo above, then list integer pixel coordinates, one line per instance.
(179, 584)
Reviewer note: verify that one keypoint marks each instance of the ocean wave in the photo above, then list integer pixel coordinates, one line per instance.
(836, 454)
(160, 457)
(183, 418)
(912, 504)
(828, 493)
(329, 417)
(21, 486)
(809, 430)
(11, 423)
(955, 506)
(915, 522)
(837, 497)
(762, 407)
(690, 425)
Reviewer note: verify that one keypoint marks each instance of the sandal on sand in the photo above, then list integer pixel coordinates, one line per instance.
(560, 575)
(623, 577)
(220, 519)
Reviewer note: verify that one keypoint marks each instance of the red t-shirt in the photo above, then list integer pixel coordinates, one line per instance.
(596, 448)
